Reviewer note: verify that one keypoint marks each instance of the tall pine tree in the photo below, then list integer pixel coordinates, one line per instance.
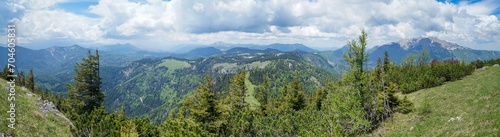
(85, 94)
(30, 81)
(203, 105)
(238, 91)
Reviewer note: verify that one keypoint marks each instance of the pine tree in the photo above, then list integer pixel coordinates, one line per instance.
(356, 58)
(353, 104)
(85, 94)
(297, 92)
(262, 95)
(22, 79)
(203, 105)
(30, 81)
(238, 91)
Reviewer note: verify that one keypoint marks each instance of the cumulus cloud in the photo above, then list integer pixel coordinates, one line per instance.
(314, 23)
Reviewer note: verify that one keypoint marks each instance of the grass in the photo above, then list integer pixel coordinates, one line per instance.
(251, 93)
(259, 64)
(30, 121)
(475, 100)
(173, 64)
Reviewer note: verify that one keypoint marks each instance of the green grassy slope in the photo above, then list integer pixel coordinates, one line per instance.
(30, 121)
(475, 100)
(251, 97)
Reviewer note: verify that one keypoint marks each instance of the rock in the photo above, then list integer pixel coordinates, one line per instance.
(28, 94)
(7, 89)
(411, 128)
(451, 119)
(40, 99)
(496, 65)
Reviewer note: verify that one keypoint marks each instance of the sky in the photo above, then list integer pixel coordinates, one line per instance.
(157, 24)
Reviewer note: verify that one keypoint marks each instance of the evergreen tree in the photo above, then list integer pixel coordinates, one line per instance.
(238, 91)
(203, 105)
(22, 79)
(30, 81)
(263, 95)
(85, 94)
(6, 72)
(356, 58)
(297, 93)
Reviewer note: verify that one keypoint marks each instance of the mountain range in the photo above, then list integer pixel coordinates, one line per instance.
(153, 83)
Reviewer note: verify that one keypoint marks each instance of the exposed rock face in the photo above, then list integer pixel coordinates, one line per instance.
(430, 41)
(46, 106)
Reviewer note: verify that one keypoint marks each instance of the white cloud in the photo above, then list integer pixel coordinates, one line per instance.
(318, 23)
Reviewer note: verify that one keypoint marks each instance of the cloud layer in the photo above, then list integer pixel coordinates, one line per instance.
(160, 24)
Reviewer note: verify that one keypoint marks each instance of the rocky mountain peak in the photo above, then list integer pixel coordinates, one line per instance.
(428, 41)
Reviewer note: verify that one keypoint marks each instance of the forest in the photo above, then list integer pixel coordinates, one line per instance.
(355, 104)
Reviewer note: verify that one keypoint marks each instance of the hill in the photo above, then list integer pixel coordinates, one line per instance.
(29, 118)
(467, 107)
(155, 87)
(54, 60)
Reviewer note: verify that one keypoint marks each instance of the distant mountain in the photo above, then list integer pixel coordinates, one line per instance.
(197, 53)
(120, 48)
(281, 47)
(438, 49)
(54, 60)
(320, 49)
(248, 50)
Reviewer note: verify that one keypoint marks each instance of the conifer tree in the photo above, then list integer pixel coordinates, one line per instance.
(262, 95)
(22, 79)
(203, 105)
(85, 94)
(238, 91)
(356, 57)
(30, 81)
(297, 93)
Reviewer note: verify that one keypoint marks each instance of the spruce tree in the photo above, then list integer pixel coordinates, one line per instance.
(85, 94)
(203, 105)
(238, 91)
(30, 81)
(297, 93)
(262, 95)
(356, 57)
(22, 79)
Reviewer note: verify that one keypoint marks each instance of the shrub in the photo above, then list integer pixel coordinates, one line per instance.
(405, 106)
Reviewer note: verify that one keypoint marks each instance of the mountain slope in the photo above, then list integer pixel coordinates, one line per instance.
(155, 87)
(30, 120)
(467, 107)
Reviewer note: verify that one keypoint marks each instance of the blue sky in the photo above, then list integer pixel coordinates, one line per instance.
(160, 24)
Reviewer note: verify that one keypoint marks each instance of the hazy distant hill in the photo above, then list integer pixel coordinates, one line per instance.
(58, 59)
(120, 48)
(226, 46)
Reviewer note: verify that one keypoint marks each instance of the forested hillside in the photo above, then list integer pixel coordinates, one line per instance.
(156, 87)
